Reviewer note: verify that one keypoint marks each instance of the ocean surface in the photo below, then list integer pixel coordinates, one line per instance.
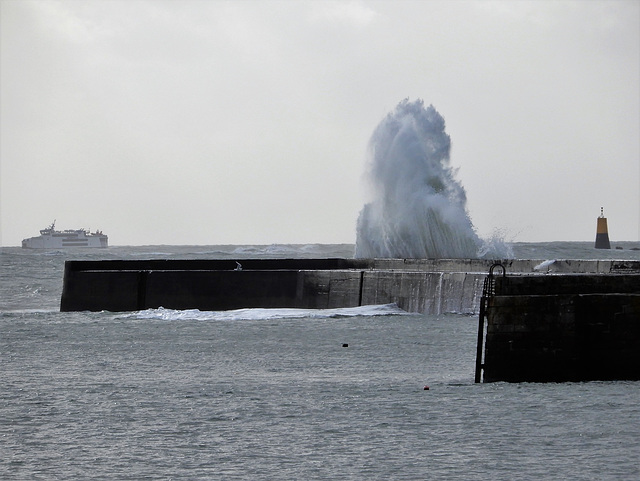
(264, 394)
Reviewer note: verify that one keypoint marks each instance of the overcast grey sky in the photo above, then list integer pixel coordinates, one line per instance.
(213, 122)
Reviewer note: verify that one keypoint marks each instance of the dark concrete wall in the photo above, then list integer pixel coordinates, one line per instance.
(96, 290)
(514, 285)
(563, 328)
(115, 286)
(430, 286)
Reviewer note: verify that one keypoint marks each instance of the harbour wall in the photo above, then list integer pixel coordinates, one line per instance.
(431, 286)
(567, 327)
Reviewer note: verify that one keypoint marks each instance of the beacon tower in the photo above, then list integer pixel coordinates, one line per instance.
(602, 233)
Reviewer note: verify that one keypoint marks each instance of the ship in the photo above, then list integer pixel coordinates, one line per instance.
(50, 238)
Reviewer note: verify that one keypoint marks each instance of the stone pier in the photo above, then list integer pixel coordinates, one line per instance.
(566, 327)
(427, 286)
(430, 286)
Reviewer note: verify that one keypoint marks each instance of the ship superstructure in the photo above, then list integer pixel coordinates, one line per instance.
(50, 238)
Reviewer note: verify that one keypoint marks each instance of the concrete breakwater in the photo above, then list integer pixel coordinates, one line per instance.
(431, 286)
(567, 327)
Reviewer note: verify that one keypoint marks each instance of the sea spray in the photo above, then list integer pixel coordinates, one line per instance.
(418, 208)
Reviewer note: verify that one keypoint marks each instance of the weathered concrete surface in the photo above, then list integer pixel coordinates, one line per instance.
(416, 285)
(563, 328)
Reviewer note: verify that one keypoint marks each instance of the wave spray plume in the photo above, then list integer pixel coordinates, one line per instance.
(418, 208)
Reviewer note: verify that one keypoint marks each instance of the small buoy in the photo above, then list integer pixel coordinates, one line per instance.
(426, 388)
(345, 345)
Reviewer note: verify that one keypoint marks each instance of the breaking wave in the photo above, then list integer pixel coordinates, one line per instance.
(418, 207)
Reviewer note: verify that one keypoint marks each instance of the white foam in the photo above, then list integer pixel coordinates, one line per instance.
(29, 311)
(257, 314)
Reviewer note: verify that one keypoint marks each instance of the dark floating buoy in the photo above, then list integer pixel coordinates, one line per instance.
(345, 345)
(602, 233)
(426, 388)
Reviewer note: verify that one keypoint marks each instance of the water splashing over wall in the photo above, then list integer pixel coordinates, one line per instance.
(418, 208)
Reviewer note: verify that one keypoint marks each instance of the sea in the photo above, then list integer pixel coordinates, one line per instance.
(367, 393)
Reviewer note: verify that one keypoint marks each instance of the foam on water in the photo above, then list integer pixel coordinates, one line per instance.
(263, 314)
(418, 207)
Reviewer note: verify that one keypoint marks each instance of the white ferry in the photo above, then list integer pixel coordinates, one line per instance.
(50, 238)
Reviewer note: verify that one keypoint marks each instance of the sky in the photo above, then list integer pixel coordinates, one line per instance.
(201, 122)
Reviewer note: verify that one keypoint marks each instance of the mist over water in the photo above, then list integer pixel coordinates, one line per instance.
(418, 207)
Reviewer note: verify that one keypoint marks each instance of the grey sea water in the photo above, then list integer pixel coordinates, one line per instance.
(273, 394)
